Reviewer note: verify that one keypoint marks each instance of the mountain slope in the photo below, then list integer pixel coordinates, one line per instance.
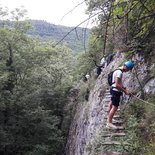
(87, 135)
(76, 40)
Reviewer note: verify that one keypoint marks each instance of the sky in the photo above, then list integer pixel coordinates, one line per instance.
(53, 11)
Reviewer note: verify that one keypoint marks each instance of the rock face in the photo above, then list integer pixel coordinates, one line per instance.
(150, 87)
(89, 115)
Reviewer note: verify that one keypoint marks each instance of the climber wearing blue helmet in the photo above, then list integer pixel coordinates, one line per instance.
(129, 64)
(117, 90)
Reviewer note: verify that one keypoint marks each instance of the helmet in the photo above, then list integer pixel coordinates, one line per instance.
(129, 64)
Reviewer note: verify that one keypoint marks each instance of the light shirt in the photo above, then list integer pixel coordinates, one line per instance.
(87, 76)
(102, 60)
(117, 74)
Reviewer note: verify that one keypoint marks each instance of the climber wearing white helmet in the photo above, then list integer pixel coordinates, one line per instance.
(116, 91)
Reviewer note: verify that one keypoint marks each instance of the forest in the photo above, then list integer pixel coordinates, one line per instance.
(76, 38)
(36, 76)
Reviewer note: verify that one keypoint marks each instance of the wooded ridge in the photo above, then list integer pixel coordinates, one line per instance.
(46, 31)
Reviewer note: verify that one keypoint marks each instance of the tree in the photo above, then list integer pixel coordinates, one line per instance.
(34, 78)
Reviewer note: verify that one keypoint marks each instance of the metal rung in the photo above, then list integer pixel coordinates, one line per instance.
(115, 143)
(112, 153)
(116, 116)
(107, 93)
(107, 100)
(114, 135)
(108, 96)
(118, 122)
(106, 110)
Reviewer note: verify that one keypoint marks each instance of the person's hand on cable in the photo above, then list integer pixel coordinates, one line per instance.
(127, 92)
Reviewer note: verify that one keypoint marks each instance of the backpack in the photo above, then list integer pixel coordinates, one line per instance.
(110, 76)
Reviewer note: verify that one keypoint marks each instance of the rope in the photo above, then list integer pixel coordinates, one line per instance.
(143, 101)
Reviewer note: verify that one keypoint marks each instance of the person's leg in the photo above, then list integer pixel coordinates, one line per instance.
(111, 113)
(113, 106)
(110, 103)
(105, 65)
(109, 106)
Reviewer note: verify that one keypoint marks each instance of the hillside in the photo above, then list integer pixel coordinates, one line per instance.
(88, 134)
(76, 40)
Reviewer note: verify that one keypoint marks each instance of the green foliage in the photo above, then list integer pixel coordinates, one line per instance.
(46, 31)
(76, 40)
(131, 24)
(129, 54)
(132, 137)
(35, 79)
(140, 127)
(140, 132)
(97, 146)
(84, 92)
(84, 65)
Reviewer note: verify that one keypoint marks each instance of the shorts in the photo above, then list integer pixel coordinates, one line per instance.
(115, 98)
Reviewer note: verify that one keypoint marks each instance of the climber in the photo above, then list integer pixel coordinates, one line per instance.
(116, 91)
(99, 67)
(99, 70)
(102, 61)
(109, 58)
(87, 76)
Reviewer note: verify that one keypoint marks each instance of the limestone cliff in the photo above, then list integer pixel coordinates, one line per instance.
(89, 115)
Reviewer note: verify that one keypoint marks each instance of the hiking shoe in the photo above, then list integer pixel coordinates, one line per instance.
(111, 126)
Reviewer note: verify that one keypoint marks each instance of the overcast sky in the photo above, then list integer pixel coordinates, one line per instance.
(51, 10)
